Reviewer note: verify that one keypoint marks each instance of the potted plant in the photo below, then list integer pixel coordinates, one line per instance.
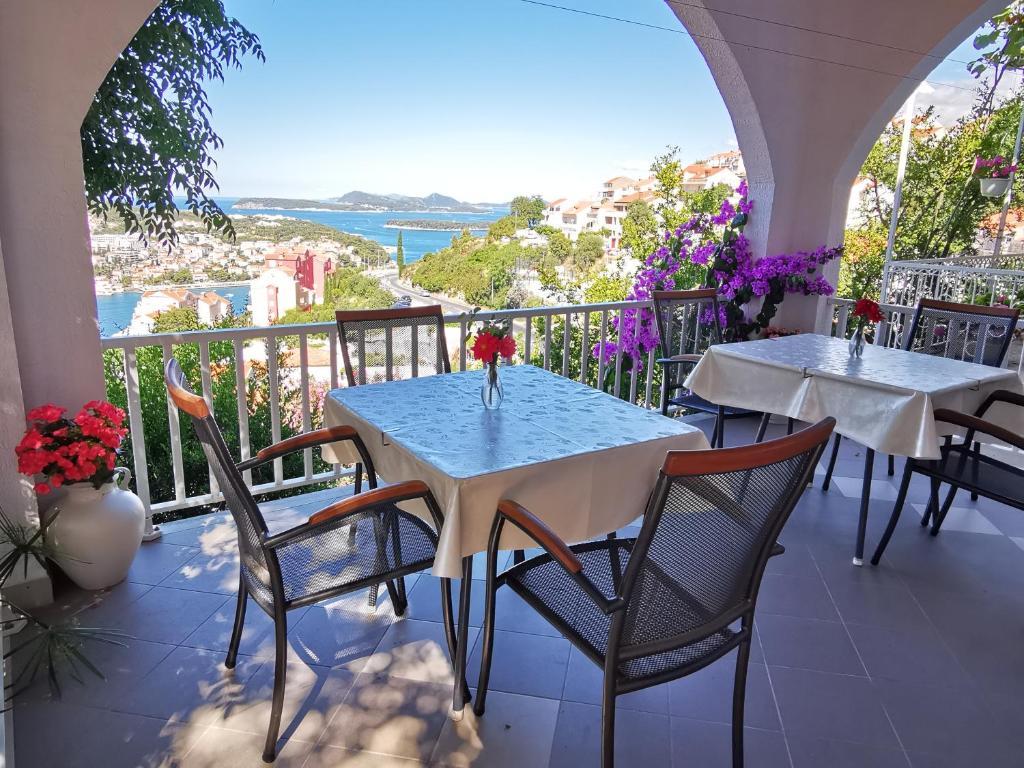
(993, 175)
(96, 527)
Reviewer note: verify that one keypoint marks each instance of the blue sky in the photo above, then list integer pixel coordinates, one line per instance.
(479, 99)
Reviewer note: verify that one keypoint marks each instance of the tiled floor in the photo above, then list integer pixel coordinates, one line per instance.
(919, 662)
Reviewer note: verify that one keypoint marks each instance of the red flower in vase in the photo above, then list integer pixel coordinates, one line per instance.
(868, 310)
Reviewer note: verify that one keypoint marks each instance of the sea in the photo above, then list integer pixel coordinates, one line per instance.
(115, 311)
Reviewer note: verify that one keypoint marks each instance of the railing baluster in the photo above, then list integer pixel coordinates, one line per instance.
(634, 381)
(618, 360)
(527, 341)
(177, 465)
(463, 334)
(275, 403)
(547, 342)
(566, 343)
(332, 340)
(307, 418)
(207, 384)
(585, 349)
(650, 379)
(600, 357)
(138, 434)
(243, 406)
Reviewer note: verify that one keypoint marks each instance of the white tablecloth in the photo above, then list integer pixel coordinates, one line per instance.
(581, 460)
(884, 400)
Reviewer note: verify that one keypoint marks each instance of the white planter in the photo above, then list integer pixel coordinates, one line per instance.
(96, 533)
(994, 187)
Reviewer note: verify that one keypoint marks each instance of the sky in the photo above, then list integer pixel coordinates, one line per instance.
(478, 99)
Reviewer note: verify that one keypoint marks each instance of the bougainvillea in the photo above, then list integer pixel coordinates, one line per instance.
(78, 450)
(717, 242)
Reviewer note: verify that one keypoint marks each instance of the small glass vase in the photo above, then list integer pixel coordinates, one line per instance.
(857, 342)
(491, 393)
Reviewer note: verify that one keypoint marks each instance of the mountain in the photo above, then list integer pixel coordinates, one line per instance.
(365, 201)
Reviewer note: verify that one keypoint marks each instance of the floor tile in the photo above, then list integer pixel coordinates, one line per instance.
(852, 487)
(584, 681)
(206, 573)
(155, 561)
(697, 744)
(1018, 540)
(531, 665)
(914, 654)
(326, 756)
(415, 650)
(819, 753)
(823, 705)
(707, 695)
(341, 632)
(964, 520)
(514, 732)
(218, 748)
(876, 604)
(161, 615)
(214, 634)
(642, 739)
(391, 716)
(801, 596)
(825, 646)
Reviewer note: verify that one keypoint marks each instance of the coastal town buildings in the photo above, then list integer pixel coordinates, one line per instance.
(291, 277)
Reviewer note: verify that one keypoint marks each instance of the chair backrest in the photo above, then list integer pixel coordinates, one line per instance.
(388, 344)
(249, 521)
(688, 321)
(708, 531)
(970, 332)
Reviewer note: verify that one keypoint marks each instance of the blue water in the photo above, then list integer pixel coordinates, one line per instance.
(415, 242)
(115, 311)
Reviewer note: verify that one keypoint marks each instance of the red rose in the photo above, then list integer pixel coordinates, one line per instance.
(869, 310)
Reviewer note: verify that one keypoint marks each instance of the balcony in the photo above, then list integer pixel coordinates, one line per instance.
(915, 662)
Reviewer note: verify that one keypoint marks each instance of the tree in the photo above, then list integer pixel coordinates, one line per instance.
(640, 229)
(148, 134)
(560, 247)
(528, 210)
(589, 249)
(860, 272)
(400, 254)
(177, 320)
(505, 227)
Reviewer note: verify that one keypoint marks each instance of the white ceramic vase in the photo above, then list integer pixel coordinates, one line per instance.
(96, 532)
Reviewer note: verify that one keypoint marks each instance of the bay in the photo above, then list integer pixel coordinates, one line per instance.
(115, 311)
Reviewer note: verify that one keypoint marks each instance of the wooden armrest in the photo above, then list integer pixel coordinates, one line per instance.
(300, 442)
(539, 532)
(389, 494)
(979, 425)
(679, 359)
(1000, 396)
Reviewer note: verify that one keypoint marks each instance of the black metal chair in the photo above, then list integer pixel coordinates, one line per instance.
(963, 465)
(682, 593)
(321, 558)
(688, 323)
(388, 344)
(969, 332)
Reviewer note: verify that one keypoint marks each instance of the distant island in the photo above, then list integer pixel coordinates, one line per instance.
(364, 201)
(446, 226)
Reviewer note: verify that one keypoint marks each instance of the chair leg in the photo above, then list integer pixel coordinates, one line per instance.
(901, 498)
(664, 393)
(762, 427)
(790, 423)
(721, 426)
(487, 641)
(938, 519)
(608, 720)
(358, 485)
(977, 456)
(448, 617)
(739, 694)
(280, 671)
(832, 461)
(714, 433)
(892, 465)
(236, 633)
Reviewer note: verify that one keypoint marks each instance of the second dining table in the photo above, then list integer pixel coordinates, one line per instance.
(884, 399)
(581, 460)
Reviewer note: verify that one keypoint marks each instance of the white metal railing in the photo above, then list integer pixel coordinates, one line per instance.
(898, 317)
(972, 280)
(262, 345)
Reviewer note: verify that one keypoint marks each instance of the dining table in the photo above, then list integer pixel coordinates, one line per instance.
(884, 399)
(582, 460)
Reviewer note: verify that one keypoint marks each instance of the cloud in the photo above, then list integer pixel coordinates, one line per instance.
(953, 103)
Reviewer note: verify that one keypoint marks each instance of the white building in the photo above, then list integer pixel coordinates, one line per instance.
(212, 308)
(272, 294)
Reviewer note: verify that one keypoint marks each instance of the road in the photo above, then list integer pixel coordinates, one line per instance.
(450, 307)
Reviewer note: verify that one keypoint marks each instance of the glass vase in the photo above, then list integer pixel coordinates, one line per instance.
(857, 342)
(491, 392)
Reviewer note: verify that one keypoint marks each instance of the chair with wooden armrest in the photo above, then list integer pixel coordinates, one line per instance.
(682, 593)
(319, 558)
(969, 332)
(688, 323)
(961, 465)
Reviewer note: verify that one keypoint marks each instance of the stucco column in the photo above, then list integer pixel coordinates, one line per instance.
(808, 103)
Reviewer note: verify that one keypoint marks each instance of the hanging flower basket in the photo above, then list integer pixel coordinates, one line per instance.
(994, 187)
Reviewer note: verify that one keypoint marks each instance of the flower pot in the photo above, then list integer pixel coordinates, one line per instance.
(994, 187)
(96, 532)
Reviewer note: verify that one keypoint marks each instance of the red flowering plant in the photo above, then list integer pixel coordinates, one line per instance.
(66, 450)
(866, 311)
(491, 340)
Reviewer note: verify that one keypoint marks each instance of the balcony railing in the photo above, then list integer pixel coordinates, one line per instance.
(967, 279)
(298, 358)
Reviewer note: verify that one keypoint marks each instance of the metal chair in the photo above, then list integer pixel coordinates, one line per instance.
(689, 323)
(969, 332)
(682, 593)
(321, 558)
(387, 344)
(962, 465)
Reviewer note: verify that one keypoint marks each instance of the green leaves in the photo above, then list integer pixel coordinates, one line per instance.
(148, 135)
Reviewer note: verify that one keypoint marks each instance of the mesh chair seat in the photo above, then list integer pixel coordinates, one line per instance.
(687, 399)
(960, 466)
(547, 586)
(386, 543)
